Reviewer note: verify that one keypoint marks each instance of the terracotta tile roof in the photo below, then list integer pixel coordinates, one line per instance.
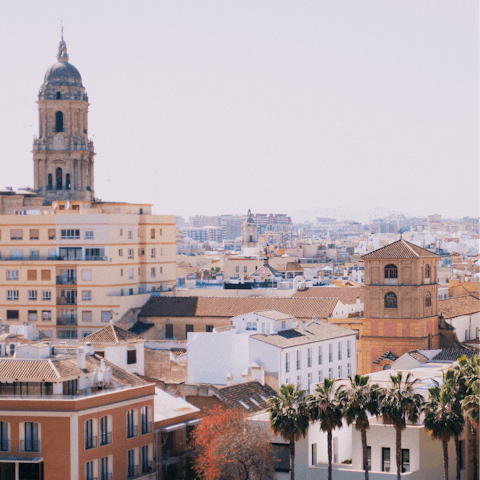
(315, 332)
(244, 392)
(23, 369)
(110, 335)
(347, 295)
(387, 356)
(452, 355)
(457, 306)
(418, 356)
(290, 267)
(400, 249)
(274, 315)
(228, 307)
(266, 271)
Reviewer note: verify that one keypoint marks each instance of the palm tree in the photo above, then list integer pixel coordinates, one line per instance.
(358, 401)
(399, 404)
(325, 406)
(289, 418)
(444, 418)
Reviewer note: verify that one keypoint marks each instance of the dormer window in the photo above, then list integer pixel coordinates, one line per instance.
(391, 271)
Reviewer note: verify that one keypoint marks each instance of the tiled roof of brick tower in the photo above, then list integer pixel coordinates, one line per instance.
(400, 249)
(110, 335)
(233, 306)
(457, 306)
(386, 356)
(252, 394)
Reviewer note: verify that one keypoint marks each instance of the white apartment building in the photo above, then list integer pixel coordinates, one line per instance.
(302, 355)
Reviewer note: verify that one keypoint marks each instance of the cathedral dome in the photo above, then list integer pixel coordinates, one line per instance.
(62, 73)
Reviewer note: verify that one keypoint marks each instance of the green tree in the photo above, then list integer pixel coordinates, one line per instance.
(289, 418)
(325, 406)
(359, 401)
(444, 418)
(399, 404)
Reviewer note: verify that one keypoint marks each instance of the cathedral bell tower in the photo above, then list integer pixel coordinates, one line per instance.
(62, 153)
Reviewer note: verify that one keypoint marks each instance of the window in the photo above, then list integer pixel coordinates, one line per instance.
(309, 357)
(34, 254)
(86, 275)
(287, 362)
(339, 350)
(405, 460)
(281, 457)
(32, 316)
(46, 315)
(309, 382)
(12, 294)
(31, 275)
(391, 271)
(89, 234)
(87, 295)
(32, 294)
(348, 349)
(314, 453)
(330, 373)
(121, 232)
(52, 234)
(160, 231)
(189, 328)
(31, 442)
(86, 316)
(105, 435)
(244, 269)
(132, 469)
(46, 295)
(369, 459)
(89, 470)
(299, 380)
(237, 269)
(58, 122)
(152, 233)
(16, 254)
(161, 270)
(349, 369)
(120, 252)
(390, 300)
(427, 271)
(106, 316)
(330, 352)
(12, 274)
(104, 469)
(160, 251)
(152, 253)
(209, 328)
(130, 234)
(146, 425)
(299, 360)
(70, 234)
(168, 330)
(152, 272)
(94, 253)
(90, 439)
(320, 376)
(320, 358)
(130, 253)
(4, 447)
(385, 459)
(12, 314)
(428, 299)
(339, 371)
(34, 234)
(284, 324)
(131, 357)
(46, 275)
(132, 429)
(16, 234)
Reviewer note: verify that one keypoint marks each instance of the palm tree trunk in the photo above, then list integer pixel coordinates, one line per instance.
(363, 433)
(475, 451)
(445, 459)
(398, 456)
(329, 442)
(292, 459)
(457, 456)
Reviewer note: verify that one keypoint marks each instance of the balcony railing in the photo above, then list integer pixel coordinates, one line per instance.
(146, 427)
(132, 471)
(81, 394)
(132, 431)
(90, 442)
(70, 320)
(30, 446)
(50, 258)
(66, 280)
(105, 438)
(66, 301)
(105, 476)
(4, 446)
(147, 467)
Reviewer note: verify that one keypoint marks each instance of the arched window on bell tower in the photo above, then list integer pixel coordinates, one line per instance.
(428, 299)
(50, 183)
(427, 271)
(391, 271)
(390, 300)
(68, 186)
(59, 122)
(59, 178)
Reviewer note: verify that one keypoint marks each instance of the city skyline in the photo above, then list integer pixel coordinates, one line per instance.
(230, 107)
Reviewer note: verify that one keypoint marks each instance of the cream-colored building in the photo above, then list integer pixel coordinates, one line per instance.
(70, 262)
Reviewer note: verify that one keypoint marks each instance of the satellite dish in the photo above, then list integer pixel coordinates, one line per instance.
(67, 205)
(54, 205)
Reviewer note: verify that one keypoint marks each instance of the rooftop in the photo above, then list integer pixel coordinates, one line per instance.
(251, 396)
(400, 249)
(457, 306)
(110, 335)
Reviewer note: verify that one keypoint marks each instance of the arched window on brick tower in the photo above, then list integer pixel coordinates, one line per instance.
(59, 178)
(391, 271)
(428, 299)
(67, 182)
(50, 182)
(427, 271)
(59, 122)
(390, 300)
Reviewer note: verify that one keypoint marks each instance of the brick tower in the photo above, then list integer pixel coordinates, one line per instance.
(401, 303)
(62, 153)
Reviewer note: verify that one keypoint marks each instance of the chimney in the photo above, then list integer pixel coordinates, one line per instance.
(89, 348)
(257, 373)
(314, 319)
(304, 325)
(81, 362)
(245, 376)
(229, 379)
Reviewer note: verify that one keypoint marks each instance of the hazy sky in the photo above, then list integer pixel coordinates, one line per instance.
(209, 107)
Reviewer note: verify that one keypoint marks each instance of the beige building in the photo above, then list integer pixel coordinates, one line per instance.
(69, 262)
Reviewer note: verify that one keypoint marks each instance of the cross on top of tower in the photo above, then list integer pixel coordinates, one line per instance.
(62, 50)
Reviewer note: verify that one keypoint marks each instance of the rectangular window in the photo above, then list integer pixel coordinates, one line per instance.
(89, 234)
(160, 231)
(46, 295)
(16, 254)
(330, 373)
(12, 274)
(320, 356)
(287, 362)
(160, 251)
(87, 295)
(87, 316)
(31, 275)
(146, 463)
(299, 358)
(168, 330)
(12, 314)
(188, 328)
(209, 328)
(16, 234)
(130, 273)
(32, 316)
(34, 254)
(104, 469)
(120, 252)
(130, 234)
(132, 469)
(146, 426)
(320, 376)
(34, 234)
(237, 269)
(339, 371)
(90, 439)
(314, 454)
(31, 442)
(105, 435)
(32, 294)
(152, 272)
(12, 294)
(281, 456)
(70, 234)
(86, 275)
(385, 459)
(349, 369)
(161, 270)
(405, 460)
(349, 353)
(309, 382)
(46, 315)
(299, 380)
(52, 234)
(130, 253)
(46, 275)
(330, 352)
(339, 350)
(121, 272)
(244, 269)
(152, 233)
(131, 357)
(121, 232)
(132, 429)
(89, 470)
(309, 357)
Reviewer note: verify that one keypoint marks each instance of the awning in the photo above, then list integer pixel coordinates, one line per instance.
(21, 459)
(171, 428)
(196, 421)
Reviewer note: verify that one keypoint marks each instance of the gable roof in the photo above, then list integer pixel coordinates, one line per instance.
(228, 307)
(110, 335)
(232, 395)
(400, 249)
(418, 356)
(273, 315)
(457, 306)
(452, 355)
(290, 267)
(347, 295)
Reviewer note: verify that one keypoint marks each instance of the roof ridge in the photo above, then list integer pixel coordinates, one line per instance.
(408, 246)
(54, 368)
(115, 334)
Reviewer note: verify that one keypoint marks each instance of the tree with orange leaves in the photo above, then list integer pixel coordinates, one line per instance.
(227, 446)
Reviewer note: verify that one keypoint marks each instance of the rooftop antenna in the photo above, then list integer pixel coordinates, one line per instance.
(61, 23)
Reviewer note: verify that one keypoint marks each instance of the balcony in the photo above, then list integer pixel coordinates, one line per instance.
(132, 471)
(30, 446)
(50, 258)
(69, 320)
(105, 438)
(146, 427)
(61, 280)
(66, 300)
(132, 431)
(4, 445)
(106, 476)
(90, 442)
